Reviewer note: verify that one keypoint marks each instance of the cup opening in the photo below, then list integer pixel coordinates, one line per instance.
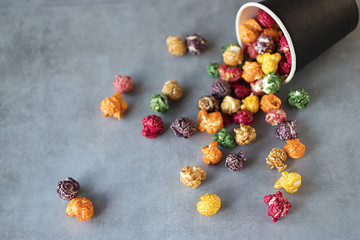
(250, 10)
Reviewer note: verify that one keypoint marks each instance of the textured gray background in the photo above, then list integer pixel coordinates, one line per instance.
(57, 62)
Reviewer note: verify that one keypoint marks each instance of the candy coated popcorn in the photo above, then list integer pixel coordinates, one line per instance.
(252, 71)
(230, 74)
(275, 116)
(289, 181)
(183, 127)
(176, 45)
(294, 148)
(212, 154)
(208, 103)
(265, 19)
(270, 83)
(287, 130)
(209, 204)
(192, 176)
(220, 88)
(113, 106)
(209, 122)
(235, 162)
(224, 139)
(256, 88)
(68, 189)
(251, 103)
(249, 49)
(249, 31)
(123, 84)
(230, 105)
(196, 44)
(269, 62)
(269, 102)
(213, 70)
(284, 67)
(240, 91)
(227, 119)
(172, 90)
(159, 103)
(289, 59)
(278, 206)
(80, 207)
(245, 135)
(272, 32)
(284, 45)
(298, 98)
(233, 55)
(264, 44)
(276, 158)
(243, 117)
(152, 127)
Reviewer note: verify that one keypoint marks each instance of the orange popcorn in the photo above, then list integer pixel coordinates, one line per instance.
(249, 31)
(294, 148)
(209, 122)
(252, 71)
(272, 32)
(80, 207)
(269, 102)
(113, 106)
(212, 154)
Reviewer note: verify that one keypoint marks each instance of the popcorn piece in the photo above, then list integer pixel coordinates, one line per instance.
(269, 102)
(230, 74)
(287, 130)
(249, 31)
(183, 127)
(249, 49)
(245, 135)
(152, 126)
(209, 204)
(243, 117)
(213, 70)
(224, 139)
(251, 103)
(196, 44)
(284, 45)
(264, 44)
(68, 189)
(278, 206)
(172, 90)
(80, 207)
(192, 176)
(270, 83)
(208, 103)
(235, 162)
(294, 148)
(227, 119)
(269, 62)
(298, 98)
(252, 71)
(159, 103)
(275, 116)
(176, 45)
(272, 32)
(220, 88)
(256, 88)
(284, 67)
(233, 55)
(240, 91)
(209, 122)
(113, 106)
(265, 19)
(123, 84)
(276, 158)
(289, 181)
(212, 154)
(230, 105)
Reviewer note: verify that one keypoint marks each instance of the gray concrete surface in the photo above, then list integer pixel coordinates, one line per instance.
(57, 62)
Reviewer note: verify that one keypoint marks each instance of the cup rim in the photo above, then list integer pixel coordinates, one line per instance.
(282, 27)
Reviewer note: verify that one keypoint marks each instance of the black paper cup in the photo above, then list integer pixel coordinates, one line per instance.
(310, 26)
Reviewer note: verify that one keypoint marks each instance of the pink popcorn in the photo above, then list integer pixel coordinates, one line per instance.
(288, 58)
(284, 67)
(265, 19)
(243, 117)
(275, 116)
(284, 46)
(256, 88)
(230, 74)
(123, 84)
(278, 206)
(249, 49)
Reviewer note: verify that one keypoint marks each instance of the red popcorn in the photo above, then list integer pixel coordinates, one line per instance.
(227, 119)
(241, 91)
(152, 126)
(265, 19)
(249, 49)
(256, 88)
(123, 84)
(284, 46)
(278, 205)
(284, 67)
(230, 74)
(275, 116)
(243, 117)
(288, 58)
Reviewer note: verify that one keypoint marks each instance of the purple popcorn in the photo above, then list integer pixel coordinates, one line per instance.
(195, 44)
(264, 44)
(183, 127)
(287, 130)
(68, 189)
(221, 88)
(235, 162)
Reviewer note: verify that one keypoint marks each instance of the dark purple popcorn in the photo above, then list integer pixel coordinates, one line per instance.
(264, 44)
(221, 88)
(287, 130)
(195, 44)
(68, 189)
(235, 162)
(183, 127)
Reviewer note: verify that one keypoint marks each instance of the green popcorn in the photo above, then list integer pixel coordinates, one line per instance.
(223, 48)
(213, 70)
(270, 83)
(159, 103)
(225, 139)
(298, 98)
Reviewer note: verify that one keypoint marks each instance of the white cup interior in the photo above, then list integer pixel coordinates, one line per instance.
(250, 10)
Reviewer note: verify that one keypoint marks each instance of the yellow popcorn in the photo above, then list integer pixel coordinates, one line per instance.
(209, 204)
(289, 181)
(176, 45)
(269, 62)
(251, 103)
(230, 105)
